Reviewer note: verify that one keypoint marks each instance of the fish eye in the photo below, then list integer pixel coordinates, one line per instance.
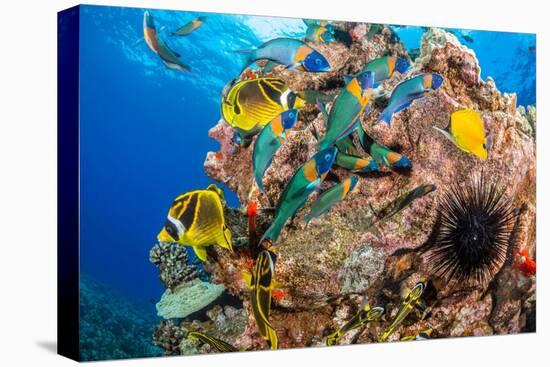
(170, 230)
(327, 157)
(318, 61)
(291, 114)
(484, 146)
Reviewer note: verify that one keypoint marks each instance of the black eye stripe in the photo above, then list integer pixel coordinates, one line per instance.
(171, 230)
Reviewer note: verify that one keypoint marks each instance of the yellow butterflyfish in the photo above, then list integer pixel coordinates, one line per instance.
(196, 219)
(467, 132)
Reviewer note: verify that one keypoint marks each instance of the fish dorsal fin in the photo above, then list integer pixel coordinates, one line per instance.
(217, 190)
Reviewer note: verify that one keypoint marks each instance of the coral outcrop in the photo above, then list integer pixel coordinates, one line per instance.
(187, 298)
(329, 268)
(173, 263)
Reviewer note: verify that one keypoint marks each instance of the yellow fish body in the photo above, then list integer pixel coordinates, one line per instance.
(261, 285)
(196, 219)
(250, 104)
(467, 132)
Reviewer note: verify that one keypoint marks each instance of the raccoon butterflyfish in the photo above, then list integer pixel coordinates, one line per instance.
(305, 181)
(364, 316)
(189, 27)
(467, 132)
(249, 105)
(347, 109)
(261, 285)
(330, 197)
(409, 303)
(400, 203)
(423, 335)
(169, 57)
(317, 33)
(269, 140)
(384, 67)
(407, 91)
(196, 219)
(381, 154)
(292, 53)
(218, 344)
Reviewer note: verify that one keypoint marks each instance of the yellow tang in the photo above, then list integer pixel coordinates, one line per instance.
(467, 132)
(250, 104)
(196, 219)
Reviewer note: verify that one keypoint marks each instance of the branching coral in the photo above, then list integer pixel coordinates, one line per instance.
(173, 263)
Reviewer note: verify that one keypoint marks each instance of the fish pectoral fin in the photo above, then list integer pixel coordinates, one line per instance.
(445, 134)
(314, 184)
(224, 240)
(294, 66)
(200, 252)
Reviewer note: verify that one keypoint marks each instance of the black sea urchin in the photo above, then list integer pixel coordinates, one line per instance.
(475, 224)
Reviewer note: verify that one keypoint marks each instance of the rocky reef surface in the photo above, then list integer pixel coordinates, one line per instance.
(329, 268)
(111, 326)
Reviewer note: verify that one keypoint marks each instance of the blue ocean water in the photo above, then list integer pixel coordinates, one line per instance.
(509, 58)
(144, 127)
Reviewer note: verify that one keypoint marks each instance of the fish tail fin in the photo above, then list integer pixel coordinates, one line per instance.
(272, 233)
(258, 178)
(200, 252)
(386, 116)
(307, 219)
(224, 239)
(272, 338)
(247, 56)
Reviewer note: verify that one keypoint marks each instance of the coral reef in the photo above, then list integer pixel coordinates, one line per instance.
(225, 323)
(187, 298)
(112, 327)
(341, 260)
(173, 263)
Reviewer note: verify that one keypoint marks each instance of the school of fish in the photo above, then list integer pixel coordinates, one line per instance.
(263, 112)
